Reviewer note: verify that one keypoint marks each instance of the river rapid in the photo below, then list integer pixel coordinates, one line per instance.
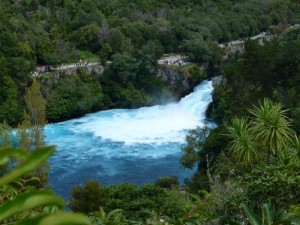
(125, 145)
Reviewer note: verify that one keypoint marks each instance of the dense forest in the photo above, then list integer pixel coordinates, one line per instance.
(131, 34)
(247, 169)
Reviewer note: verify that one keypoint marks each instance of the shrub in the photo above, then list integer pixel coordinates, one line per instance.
(88, 198)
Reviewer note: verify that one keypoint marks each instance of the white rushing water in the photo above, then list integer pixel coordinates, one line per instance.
(134, 145)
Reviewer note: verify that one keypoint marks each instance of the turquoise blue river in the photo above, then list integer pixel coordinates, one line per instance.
(125, 145)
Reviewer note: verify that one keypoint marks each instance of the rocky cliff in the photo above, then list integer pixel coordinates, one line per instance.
(49, 81)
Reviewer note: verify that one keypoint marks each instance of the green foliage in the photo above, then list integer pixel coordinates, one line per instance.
(167, 182)
(114, 217)
(269, 130)
(203, 147)
(270, 70)
(104, 53)
(248, 178)
(49, 32)
(74, 96)
(88, 198)
(25, 208)
(124, 67)
(115, 40)
(269, 216)
(35, 115)
(200, 51)
(133, 201)
(133, 97)
(5, 135)
(264, 183)
(271, 126)
(196, 75)
(30, 163)
(242, 147)
(87, 55)
(86, 37)
(195, 139)
(40, 32)
(9, 100)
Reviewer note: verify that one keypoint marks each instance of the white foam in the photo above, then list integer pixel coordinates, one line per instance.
(157, 124)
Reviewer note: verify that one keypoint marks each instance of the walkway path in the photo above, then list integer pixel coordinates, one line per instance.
(74, 65)
(167, 59)
(40, 70)
(177, 60)
(263, 35)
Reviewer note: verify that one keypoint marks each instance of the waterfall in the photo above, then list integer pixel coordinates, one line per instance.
(125, 145)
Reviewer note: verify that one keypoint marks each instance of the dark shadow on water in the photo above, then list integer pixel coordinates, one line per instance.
(118, 170)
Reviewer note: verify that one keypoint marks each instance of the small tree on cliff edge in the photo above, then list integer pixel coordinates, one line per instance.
(31, 131)
(35, 114)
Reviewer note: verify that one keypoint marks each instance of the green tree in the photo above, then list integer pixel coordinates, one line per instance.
(133, 97)
(104, 53)
(196, 75)
(6, 140)
(87, 37)
(200, 51)
(269, 216)
(269, 130)
(88, 198)
(242, 146)
(115, 40)
(271, 126)
(88, 5)
(6, 137)
(35, 114)
(74, 96)
(124, 68)
(9, 104)
(24, 141)
(195, 141)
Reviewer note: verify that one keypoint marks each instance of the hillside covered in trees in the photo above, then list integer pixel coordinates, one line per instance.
(247, 169)
(132, 34)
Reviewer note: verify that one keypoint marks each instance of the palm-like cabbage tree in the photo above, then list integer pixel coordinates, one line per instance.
(114, 217)
(295, 150)
(271, 126)
(242, 147)
(291, 155)
(269, 216)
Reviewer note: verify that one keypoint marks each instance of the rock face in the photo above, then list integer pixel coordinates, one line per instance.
(174, 77)
(48, 82)
(98, 69)
(216, 81)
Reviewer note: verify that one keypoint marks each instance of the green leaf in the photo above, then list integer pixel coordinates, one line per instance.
(33, 179)
(251, 216)
(60, 218)
(9, 152)
(35, 159)
(268, 214)
(28, 201)
(3, 160)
